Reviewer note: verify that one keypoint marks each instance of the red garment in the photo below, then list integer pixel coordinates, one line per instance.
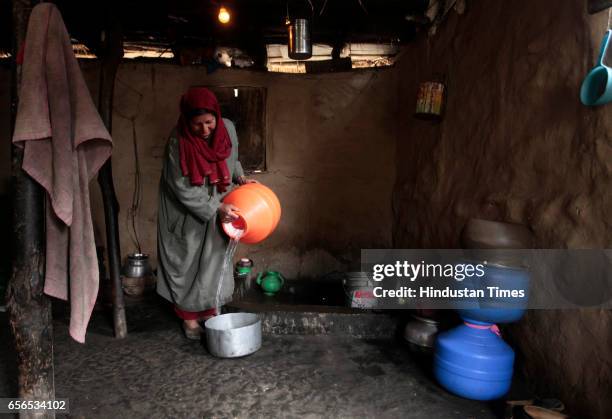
(198, 159)
(195, 315)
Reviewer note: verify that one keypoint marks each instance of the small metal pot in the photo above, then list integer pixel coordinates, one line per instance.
(232, 335)
(137, 265)
(421, 333)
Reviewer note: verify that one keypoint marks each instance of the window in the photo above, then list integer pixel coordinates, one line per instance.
(246, 108)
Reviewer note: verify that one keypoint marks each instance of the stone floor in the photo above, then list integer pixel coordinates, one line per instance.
(156, 373)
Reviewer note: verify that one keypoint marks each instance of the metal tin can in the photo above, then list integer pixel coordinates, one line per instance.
(430, 99)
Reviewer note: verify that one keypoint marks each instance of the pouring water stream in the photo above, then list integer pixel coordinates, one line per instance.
(229, 255)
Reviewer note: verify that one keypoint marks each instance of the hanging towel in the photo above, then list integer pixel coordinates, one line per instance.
(65, 144)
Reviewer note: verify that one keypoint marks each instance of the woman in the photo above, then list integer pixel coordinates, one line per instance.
(201, 161)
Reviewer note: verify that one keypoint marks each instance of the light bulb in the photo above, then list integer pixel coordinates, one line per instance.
(224, 15)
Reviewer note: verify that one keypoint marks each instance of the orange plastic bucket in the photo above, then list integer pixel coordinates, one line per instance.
(259, 212)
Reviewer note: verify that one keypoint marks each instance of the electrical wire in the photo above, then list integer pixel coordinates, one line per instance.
(362, 6)
(137, 193)
(323, 8)
(311, 6)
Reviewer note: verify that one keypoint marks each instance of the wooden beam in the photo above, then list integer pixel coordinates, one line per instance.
(595, 6)
(111, 52)
(29, 309)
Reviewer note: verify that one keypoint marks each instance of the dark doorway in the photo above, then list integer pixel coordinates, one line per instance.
(246, 107)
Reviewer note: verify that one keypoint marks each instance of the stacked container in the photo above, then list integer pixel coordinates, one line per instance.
(472, 360)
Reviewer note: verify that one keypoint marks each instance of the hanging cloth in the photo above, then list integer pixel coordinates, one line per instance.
(65, 143)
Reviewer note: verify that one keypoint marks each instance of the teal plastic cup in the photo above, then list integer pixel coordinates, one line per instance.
(596, 87)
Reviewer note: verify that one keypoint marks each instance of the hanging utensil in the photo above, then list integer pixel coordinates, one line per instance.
(300, 44)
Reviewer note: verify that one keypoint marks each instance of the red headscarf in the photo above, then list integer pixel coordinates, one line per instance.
(198, 159)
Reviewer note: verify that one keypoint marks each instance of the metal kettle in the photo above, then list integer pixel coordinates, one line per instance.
(271, 282)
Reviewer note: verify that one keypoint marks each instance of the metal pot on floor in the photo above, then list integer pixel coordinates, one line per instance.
(233, 335)
(420, 333)
(137, 274)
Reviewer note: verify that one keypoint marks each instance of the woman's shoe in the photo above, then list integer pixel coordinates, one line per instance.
(537, 412)
(193, 333)
(551, 404)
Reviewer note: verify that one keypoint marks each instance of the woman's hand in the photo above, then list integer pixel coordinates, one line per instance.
(228, 213)
(242, 180)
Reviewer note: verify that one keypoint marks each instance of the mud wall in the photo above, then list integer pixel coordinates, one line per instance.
(330, 144)
(515, 144)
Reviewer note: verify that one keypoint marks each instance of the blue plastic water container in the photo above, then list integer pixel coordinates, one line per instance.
(499, 309)
(473, 363)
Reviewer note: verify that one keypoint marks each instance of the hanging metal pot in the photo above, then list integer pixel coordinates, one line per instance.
(300, 44)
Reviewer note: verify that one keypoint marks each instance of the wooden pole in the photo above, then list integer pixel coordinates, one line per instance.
(29, 309)
(111, 54)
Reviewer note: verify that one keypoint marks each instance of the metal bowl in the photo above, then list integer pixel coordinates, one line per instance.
(232, 335)
(485, 234)
(497, 242)
(421, 333)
